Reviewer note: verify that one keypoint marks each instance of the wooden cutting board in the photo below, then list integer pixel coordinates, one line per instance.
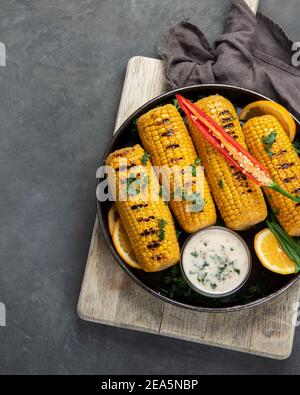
(109, 297)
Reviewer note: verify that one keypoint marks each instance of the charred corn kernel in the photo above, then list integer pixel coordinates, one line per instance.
(269, 143)
(240, 200)
(165, 136)
(146, 218)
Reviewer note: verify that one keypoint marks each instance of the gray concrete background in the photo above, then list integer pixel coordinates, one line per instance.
(59, 98)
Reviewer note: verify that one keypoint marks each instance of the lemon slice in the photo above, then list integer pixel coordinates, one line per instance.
(265, 107)
(123, 246)
(271, 255)
(113, 216)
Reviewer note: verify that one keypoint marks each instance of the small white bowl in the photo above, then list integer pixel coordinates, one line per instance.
(216, 294)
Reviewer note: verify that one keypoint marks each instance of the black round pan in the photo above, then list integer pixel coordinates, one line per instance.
(168, 286)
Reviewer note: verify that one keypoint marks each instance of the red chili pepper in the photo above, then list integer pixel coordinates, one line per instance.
(234, 153)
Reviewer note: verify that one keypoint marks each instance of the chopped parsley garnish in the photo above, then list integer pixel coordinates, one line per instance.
(221, 183)
(131, 189)
(203, 278)
(194, 167)
(161, 229)
(135, 185)
(146, 158)
(222, 269)
(268, 141)
(214, 286)
(198, 162)
(130, 180)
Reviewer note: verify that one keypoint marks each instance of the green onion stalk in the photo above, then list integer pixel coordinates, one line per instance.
(283, 192)
(290, 245)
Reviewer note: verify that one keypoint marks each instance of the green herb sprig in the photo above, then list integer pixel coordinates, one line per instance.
(145, 158)
(196, 164)
(178, 289)
(136, 185)
(269, 141)
(162, 229)
(133, 186)
(177, 286)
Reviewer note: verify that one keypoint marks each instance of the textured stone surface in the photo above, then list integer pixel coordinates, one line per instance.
(59, 96)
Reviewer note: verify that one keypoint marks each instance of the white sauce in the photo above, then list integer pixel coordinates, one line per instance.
(216, 261)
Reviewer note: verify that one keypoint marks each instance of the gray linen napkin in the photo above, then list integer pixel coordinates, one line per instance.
(253, 52)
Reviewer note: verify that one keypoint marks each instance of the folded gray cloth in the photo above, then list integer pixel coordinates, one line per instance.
(253, 52)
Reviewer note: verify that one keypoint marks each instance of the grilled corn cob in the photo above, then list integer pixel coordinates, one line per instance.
(240, 201)
(269, 143)
(147, 220)
(165, 136)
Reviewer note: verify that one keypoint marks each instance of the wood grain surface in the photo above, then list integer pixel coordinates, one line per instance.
(109, 297)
